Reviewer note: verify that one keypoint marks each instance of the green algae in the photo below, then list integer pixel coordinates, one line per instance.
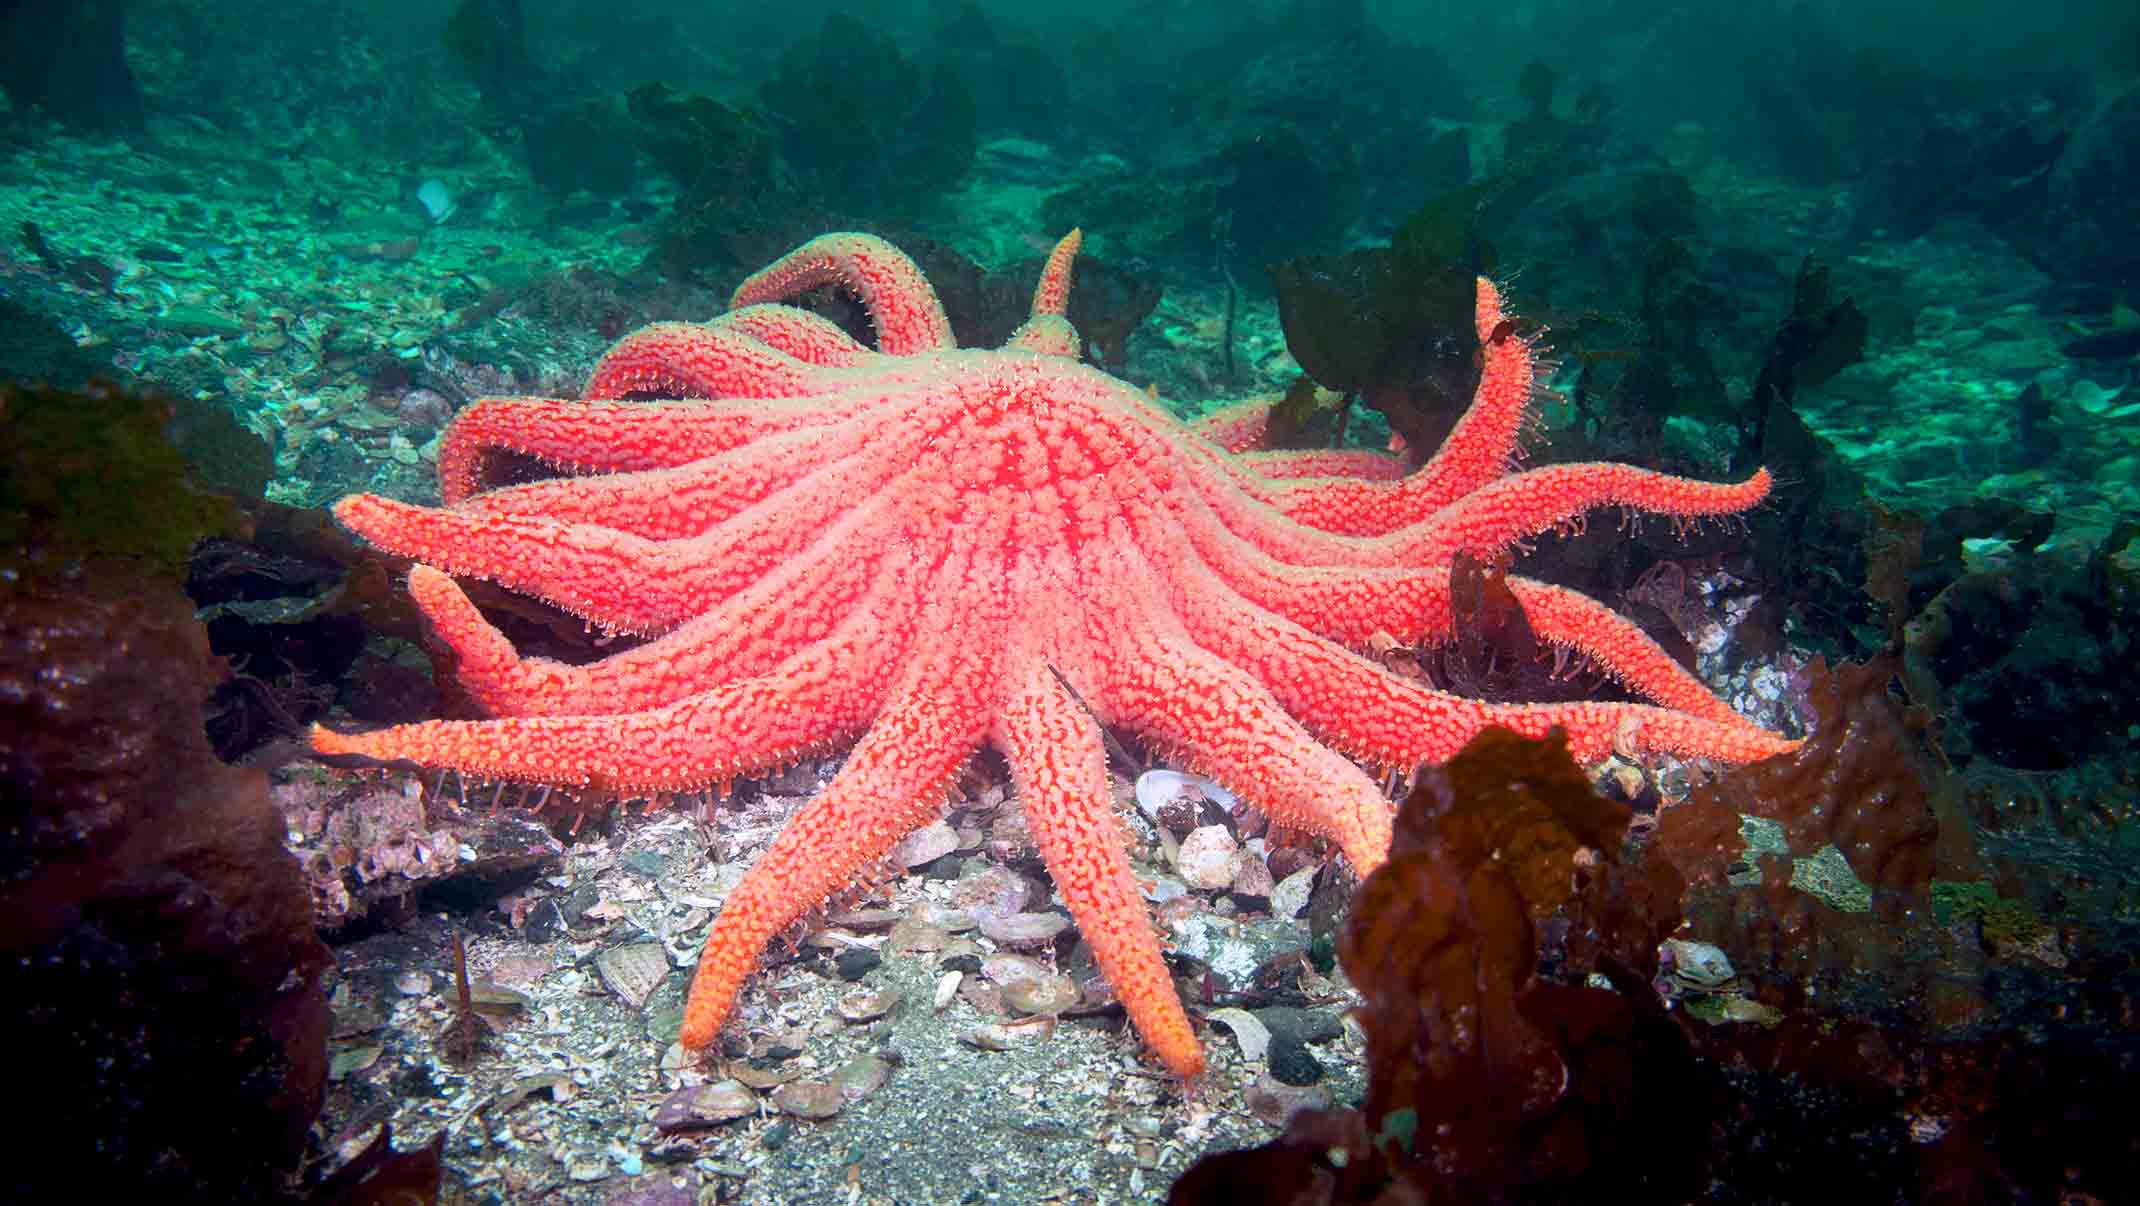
(93, 472)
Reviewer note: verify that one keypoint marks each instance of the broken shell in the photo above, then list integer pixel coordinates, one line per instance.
(997, 1036)
(1002, 969)
(861, 1076)
(867, 921)
(1291, 895)
(1253, 1036)
(1209, 857)
(1156, 787)
(947, 988)
(1696, 966)
(998, 890)
(762, 1078)
(1049, 993)
(1024, 931)
(701, 1106)
(633, 972)
(925, 845)
(809, 1099)
(909, 935)
(868, 1006)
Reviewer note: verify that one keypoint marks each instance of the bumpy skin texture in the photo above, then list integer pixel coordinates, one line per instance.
(922, 549)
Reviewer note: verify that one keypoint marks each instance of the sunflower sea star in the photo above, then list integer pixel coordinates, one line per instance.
(920, 549)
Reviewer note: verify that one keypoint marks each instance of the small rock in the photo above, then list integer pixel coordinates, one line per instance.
(1288, 861)
(1276, 1102)
(1180, 815)
(1292, 1063)
(856, 962)
(1253, 878)
(1155, 788)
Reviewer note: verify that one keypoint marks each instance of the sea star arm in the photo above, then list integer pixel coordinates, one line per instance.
(893, 781)
(813, 699)
(901, 303)
(1373, 714)
(1225, 724)
(1047, 331)
(822, 594)
(1152, 677)
(1239, 427)
(1490, 520)
(808, 337)
(605, 435)
(617, 579)
(689, 360)
(1360, 464)
(1479, 449)
(1413, 607)
(1060, 770)
(674, 504)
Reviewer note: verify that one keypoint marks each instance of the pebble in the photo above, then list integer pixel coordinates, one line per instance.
(1276, 1102)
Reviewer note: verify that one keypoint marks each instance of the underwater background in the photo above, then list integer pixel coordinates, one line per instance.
(256, 257)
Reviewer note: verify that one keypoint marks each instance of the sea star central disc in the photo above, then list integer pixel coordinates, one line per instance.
(920, 549)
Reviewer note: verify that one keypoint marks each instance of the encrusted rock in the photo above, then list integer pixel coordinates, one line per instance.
(1209, 857)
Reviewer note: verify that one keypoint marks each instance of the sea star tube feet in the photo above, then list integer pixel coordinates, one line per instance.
(919, 549)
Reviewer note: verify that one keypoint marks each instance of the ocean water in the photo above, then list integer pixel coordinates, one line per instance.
(500, 497)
